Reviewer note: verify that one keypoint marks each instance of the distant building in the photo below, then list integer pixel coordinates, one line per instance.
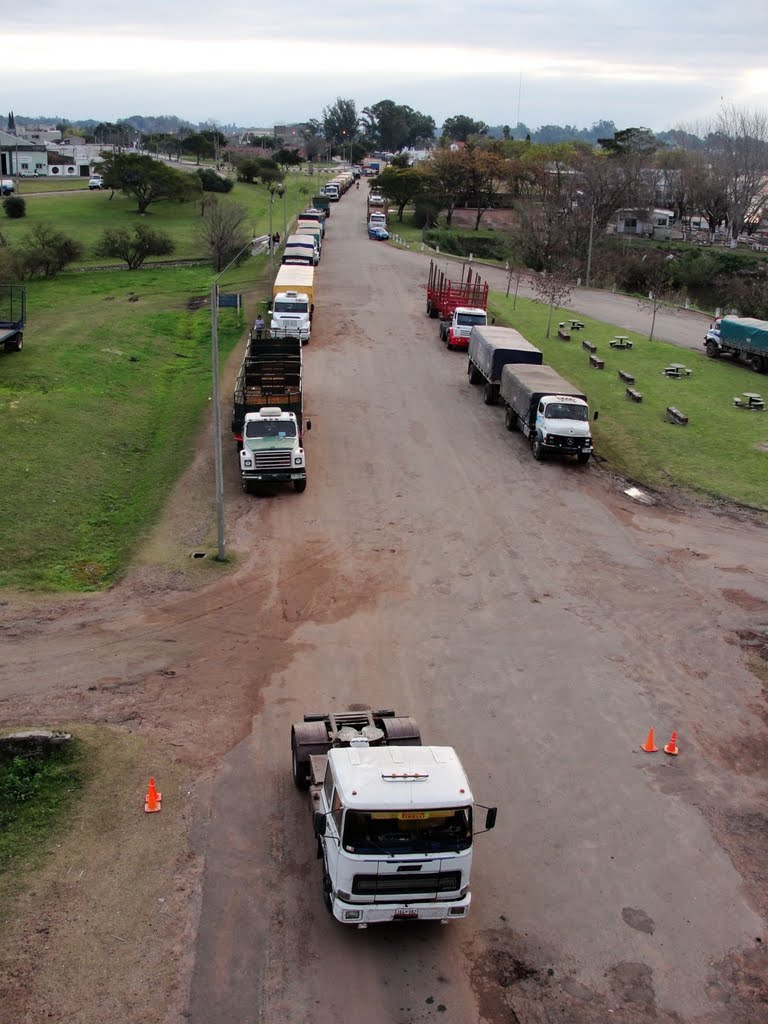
(291, 134)
(646, 223)
(18, 157)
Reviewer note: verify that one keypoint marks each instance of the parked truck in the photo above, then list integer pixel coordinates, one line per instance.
(291, 314)
(322, 202)
(444, 296)
(290, 278)
(550, 412)
(456, 331)
(13, 316)
(741, 338)
(378, 203)
(267, 413)
(394, 820)
(493, 348)
(300, 250)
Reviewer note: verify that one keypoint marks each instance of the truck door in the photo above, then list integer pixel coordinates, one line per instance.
(332, 836)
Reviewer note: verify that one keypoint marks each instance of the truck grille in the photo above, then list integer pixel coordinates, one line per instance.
(571, 443)
(273, 460)
(402, 885)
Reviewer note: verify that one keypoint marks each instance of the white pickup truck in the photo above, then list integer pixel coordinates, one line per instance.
(95, 181)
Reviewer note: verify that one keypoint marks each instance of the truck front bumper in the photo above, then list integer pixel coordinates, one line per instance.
(275, 476)
(363, 914)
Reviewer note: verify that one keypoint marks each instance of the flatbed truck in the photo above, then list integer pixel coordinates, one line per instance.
(13, 316)
(740, 337)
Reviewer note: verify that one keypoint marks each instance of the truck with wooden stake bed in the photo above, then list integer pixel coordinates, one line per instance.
(549, 411)
(444, 295)
(393, 819)
(740, 337)
(493, 348)
(13, 316)
(267, 413)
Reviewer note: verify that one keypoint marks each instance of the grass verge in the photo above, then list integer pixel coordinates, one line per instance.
(718, 453)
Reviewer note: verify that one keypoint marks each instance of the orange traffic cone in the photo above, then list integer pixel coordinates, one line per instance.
(649, 746)
(153, 798)
(671, 747)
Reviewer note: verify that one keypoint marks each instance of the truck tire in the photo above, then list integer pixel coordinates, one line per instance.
(299, 767)
(300, 485)
(510, 420)
(537, 448)
(759, 364)
(15, 344)
(429, 308)
(712, 350)
(443, 332)
(583, 458)
(247, 486)
(490, 394)
(475, 377)
(432, 313)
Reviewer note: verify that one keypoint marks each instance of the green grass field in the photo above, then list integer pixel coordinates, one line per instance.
(99, 413)
(715, 454)
(85, 215)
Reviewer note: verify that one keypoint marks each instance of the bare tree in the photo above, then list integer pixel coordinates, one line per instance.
(739, 147)
(554, 288)
(222, 230)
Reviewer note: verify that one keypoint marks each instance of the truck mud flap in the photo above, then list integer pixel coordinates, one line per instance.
(402, 731)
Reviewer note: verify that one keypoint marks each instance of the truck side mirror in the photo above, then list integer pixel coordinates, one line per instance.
(319, 824)
(596, 414)
(490, 818)
(269, 312)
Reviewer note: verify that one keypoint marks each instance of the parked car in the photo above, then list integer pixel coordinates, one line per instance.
(95, 181)
(379, 233)
(7, 185)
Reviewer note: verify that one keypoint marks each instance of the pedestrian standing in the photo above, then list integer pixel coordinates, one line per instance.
(259, 327)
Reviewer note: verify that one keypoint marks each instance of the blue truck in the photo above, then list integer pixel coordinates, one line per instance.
(741, 338)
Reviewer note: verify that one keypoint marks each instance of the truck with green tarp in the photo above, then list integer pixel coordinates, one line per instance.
(741, 338)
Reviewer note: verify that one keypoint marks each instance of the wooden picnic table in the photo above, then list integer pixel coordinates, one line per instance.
(676, 370)
(620, 341)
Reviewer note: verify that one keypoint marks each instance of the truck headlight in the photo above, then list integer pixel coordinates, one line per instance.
(298, 460)
(247, 463)
(352, 915)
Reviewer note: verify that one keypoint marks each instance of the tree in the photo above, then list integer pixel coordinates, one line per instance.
(485, 171)
(340, 121)
(658, 279)
(287, 158)
(460, 127)
(223, 231)
(259, 169)
(148, 180)
(392, 126)
(44, 252)
(134, 246)
(199, 145)
(448, 183)
(739, 148)
(401, 186)
(631, 141)
(554, 288)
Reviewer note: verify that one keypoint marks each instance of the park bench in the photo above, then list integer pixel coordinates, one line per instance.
(675, 416)
(636, 396)
(626, 377)
(588, 346)
(596, 363)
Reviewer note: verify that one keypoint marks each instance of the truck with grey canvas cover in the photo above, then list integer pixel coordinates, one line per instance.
(493, 348)
(549, 411)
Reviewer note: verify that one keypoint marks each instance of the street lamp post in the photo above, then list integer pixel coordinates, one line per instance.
(218, 461)
(280, 191)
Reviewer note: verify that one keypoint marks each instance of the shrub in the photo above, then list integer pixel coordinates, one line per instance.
(213, 182)
(45, 251)
(134, 246)
(15, 207)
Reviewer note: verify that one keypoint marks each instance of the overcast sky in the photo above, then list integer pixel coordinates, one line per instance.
(655, 63)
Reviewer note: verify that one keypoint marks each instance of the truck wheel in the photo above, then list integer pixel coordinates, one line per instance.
(510, 420)
(327, 892)
(432, 312)
(583, 458)
(490, 394)
(15, 344)
(712, 350)
(300, 486)
(537, 448)
(759, 364)
(246, 486)
(299, 769)
(475, 377)
(429, 308)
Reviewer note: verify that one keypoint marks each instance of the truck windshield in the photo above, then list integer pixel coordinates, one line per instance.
(469, 319)
(270, 428)
(408, 831)
(291, 307)
(566, 411)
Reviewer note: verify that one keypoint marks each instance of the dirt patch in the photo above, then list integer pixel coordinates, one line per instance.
(74, 945)
(744, 600)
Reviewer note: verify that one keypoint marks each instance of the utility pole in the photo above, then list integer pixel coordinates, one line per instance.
(589, 250)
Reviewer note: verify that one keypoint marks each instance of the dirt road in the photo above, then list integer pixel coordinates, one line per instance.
(529, 614)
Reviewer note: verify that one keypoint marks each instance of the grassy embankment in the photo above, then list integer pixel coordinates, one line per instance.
(100, 411)
(716, 454)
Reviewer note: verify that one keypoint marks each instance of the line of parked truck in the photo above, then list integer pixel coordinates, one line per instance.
(268, 405)
(542, 405)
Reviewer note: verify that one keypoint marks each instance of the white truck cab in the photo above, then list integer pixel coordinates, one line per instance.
(272, 450)
(395, 825)
(291, 315)
(456, 331)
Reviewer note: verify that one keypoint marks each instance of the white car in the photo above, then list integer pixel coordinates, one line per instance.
(95, 181)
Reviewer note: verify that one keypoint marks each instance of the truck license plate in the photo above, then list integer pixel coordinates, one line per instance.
(410, 914)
